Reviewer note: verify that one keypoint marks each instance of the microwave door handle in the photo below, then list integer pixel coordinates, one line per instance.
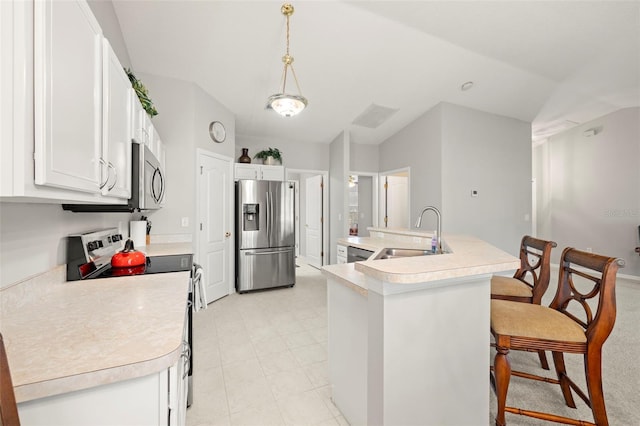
(162, 188)
(158, 196)
(153, 186)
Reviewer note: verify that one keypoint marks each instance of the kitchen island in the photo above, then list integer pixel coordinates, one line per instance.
(409, 337)
(106, 339)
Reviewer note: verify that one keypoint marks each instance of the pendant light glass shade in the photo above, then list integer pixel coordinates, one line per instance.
(285, 104)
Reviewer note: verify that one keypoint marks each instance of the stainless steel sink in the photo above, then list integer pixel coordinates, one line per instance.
(393, 253)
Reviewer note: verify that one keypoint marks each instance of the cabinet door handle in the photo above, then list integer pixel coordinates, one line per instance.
(104, 163)
(115, 174)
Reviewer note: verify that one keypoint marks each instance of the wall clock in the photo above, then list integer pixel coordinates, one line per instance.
(217, 131)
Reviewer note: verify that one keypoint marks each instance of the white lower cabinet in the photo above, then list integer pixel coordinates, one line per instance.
(135, 402)
(156, 399)
(341, 254)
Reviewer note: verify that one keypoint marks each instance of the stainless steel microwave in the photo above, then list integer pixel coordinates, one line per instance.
(148, 185)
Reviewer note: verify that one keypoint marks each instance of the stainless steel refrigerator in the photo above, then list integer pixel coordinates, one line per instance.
(265, 240)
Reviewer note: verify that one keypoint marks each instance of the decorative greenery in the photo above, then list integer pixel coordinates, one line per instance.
(142, 93)
(271, 152)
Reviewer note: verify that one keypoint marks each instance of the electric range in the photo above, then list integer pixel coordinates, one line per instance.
(89, 257)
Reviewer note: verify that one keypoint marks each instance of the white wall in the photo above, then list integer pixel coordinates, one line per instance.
(588, 188)
(418, 146)
(184, 114)
(106, 16)
(451, 150)
(365, 204)
(364, 158)
(295, 154)
(33, 236)
(338, 189)
(491, 154)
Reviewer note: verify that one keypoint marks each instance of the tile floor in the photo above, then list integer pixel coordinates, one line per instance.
(261, 358)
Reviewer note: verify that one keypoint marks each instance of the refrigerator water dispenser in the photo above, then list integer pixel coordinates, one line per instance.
(250, 216)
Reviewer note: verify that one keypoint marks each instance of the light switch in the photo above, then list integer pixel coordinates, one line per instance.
(184, 222)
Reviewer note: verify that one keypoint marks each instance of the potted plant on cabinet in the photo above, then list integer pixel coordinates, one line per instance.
(269, 156)
(142, 92)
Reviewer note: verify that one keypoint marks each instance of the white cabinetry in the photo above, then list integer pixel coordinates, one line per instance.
(135, 402)
(178, 384)
(63, 101)
(258, 172)
(155, 399)
(68, 95)
(117, 129)
(144, 132)
(341, 254)
(143, 129)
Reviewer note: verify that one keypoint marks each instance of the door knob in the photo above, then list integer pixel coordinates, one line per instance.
(227, 234)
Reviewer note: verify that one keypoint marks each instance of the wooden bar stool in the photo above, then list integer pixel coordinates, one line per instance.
(567, 325)
(530, 281)
(8, 407)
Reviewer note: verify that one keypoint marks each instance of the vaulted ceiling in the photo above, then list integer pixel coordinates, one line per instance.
(553, 63)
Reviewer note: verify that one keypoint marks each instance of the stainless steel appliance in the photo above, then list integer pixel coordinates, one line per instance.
(148, 185)
(356, 254)
(265, 239)
(89, 257)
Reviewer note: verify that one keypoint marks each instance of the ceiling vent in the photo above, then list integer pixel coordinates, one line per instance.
(374, 116)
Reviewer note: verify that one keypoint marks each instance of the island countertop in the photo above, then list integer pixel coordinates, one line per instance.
(66, 336)
(464, 256)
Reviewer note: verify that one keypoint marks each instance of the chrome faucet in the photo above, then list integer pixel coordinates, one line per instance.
(439, 218)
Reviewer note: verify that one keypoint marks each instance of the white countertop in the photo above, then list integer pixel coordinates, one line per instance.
(65, 336)
(467, 256)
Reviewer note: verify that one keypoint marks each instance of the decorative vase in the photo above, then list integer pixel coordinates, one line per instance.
(269, 161)
(244, 158)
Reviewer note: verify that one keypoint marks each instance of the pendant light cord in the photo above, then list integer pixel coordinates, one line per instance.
(288, 59)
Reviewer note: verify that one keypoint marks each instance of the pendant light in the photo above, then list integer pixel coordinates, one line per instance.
(283, 103)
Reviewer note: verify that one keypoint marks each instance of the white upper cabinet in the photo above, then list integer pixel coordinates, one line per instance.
(142, 127)
(145, 133)
(68, 96)
(258, 172)
(67, 126)
(117, 130)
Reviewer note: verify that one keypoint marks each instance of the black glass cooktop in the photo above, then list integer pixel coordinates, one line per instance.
(153, 265)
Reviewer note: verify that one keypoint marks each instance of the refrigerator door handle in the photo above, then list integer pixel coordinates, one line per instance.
(260, 253)
(268, 218)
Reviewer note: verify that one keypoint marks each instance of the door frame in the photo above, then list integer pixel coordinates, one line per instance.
(374, 197)
(394, 172)
(325, 207)
(203, 152)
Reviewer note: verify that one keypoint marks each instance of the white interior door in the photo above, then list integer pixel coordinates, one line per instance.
(215, 197)
(313, 220)
(397, 201)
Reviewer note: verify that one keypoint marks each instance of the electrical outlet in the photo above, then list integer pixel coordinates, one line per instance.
(184, 222)
(589, 250)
